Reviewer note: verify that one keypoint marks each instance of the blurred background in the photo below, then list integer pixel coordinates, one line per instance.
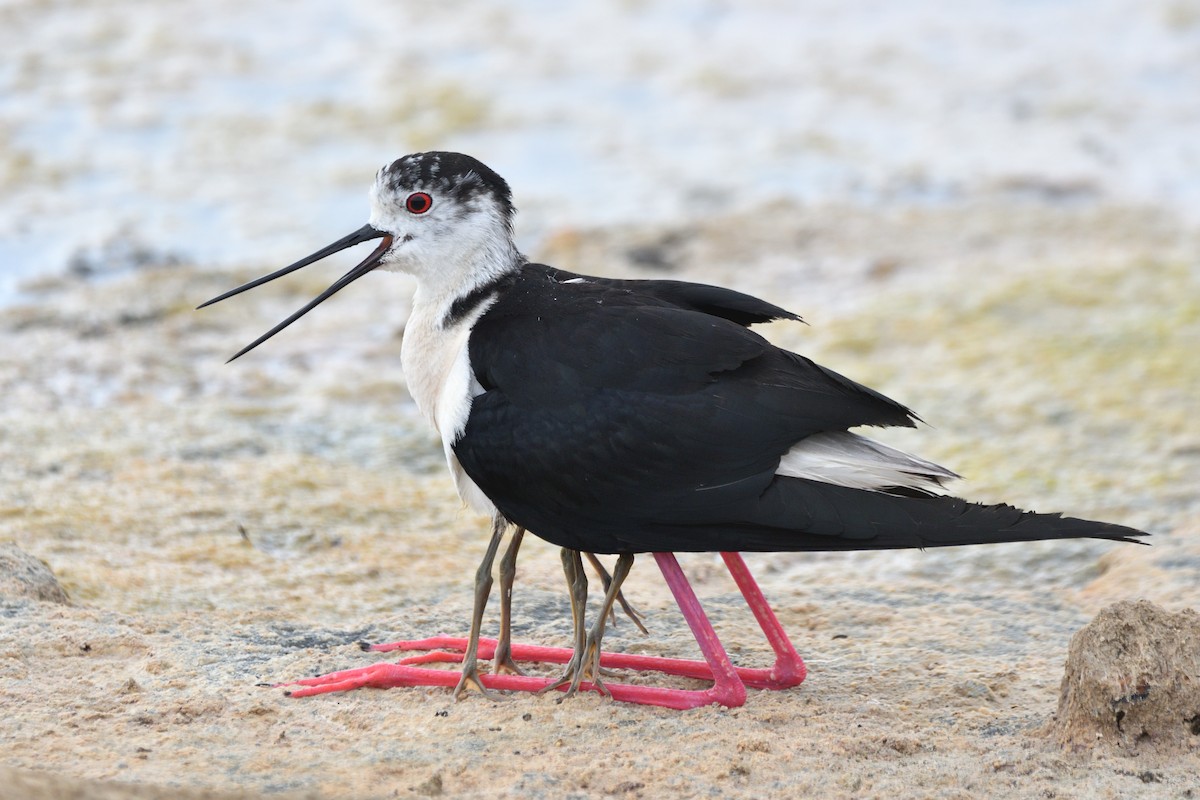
(987, 210)
(230, 132)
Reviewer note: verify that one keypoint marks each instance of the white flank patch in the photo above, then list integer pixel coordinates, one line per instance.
(470, 493)
(453, 409)
(847, 459)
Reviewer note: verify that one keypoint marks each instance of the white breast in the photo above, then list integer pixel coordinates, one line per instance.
(437, 367)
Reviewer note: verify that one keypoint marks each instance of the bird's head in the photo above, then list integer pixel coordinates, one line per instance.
(440, 209)
(444, 218)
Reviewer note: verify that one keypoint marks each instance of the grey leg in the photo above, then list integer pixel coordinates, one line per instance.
(483, 588)
(503, 661)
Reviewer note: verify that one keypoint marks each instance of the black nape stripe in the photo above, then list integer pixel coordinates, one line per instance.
(463, 306)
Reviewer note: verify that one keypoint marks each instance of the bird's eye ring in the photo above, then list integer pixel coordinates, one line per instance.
(418, 203)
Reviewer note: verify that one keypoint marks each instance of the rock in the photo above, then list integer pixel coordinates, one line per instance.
(430, 788)
(1133, 679)
(23, 575)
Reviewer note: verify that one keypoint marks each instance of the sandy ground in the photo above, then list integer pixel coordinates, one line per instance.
(218, 526)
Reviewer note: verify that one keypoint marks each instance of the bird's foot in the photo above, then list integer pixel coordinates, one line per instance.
(579, 667)
(591, 661)
(469, 679)
(502, 660)
(637, 617)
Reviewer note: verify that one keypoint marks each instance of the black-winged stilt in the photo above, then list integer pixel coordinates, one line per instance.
(627, 417)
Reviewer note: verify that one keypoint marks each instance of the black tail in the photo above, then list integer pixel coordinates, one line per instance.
(797, 515)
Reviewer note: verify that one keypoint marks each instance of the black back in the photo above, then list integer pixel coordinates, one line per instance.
(607, 410)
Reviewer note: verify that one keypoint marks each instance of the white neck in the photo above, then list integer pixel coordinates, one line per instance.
(436, 359)
(437, 291)
(433, 353)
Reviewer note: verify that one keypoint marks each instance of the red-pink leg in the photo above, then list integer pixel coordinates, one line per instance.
(727, 688)
(788, 671)
(388, 676)
(541, 654)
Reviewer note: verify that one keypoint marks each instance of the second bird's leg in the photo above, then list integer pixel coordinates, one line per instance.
(578, 584)
(503, 662)
(606, 579)
(483, 588)
(501, 648)
(595, 637)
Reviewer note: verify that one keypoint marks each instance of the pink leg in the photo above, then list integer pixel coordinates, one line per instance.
(727, 688)
(541, 654)
(789, 669)
(389, 676)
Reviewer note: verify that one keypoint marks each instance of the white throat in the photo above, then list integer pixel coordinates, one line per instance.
(437, 365)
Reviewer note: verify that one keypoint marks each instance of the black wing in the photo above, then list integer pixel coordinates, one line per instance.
(618, 408)
(744, 309)
(614, 420)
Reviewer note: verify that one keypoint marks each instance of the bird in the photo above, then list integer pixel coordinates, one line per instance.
(629, 417)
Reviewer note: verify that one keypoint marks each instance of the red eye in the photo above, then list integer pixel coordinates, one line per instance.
(418, 203)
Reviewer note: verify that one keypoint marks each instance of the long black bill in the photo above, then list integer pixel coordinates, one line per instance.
(363, 234)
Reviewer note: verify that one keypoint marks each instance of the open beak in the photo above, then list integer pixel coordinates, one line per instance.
(363, 234)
